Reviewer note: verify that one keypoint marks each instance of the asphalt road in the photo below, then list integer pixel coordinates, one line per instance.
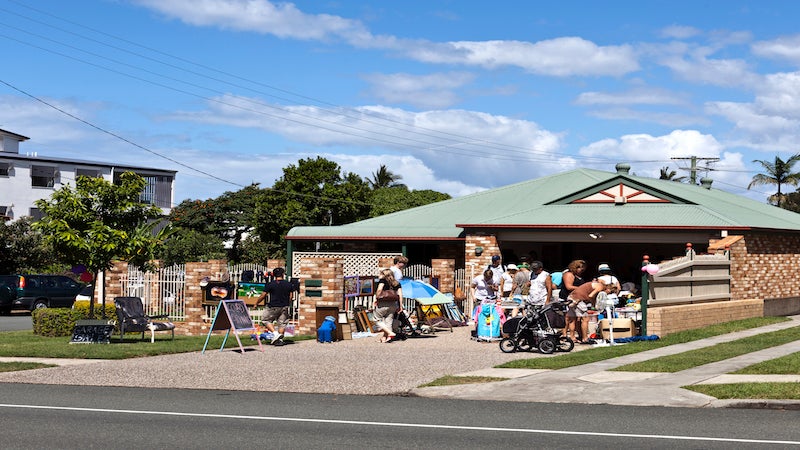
(38, 416)
(16, 321)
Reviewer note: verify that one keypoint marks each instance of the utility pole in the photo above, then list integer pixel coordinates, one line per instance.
(693, 169)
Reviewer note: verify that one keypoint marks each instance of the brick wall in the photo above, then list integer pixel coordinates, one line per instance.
(490, 248)
(665, 320)
(331, 272)
(444, 269)
(765, 266)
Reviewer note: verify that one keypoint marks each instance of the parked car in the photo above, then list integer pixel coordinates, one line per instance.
(37, 291)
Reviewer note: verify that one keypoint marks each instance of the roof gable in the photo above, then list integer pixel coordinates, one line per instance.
(619, 190)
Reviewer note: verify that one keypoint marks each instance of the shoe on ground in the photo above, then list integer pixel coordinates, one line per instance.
(278, 343)
(275, 338)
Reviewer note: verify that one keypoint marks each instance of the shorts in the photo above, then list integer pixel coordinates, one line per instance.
(384, 314)
(273, 313)
(580, 309)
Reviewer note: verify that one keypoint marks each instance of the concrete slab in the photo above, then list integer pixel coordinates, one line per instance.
(730, 379)
(502, 373)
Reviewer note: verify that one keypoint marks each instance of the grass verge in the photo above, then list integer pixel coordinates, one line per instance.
(564, 360)
(719, 352)
(25, 343)
(452, 380)
(765, 391)
(16, 366)
(785, 365)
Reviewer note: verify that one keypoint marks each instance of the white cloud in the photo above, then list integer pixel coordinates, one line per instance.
(698, 68)
(425, 91)
(565, 56)
(638, 147)
(679, 32)
(785, 48)
(659, 117)
(636, 96)
(44, 124)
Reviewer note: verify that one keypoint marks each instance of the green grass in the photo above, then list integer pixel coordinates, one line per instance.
(15, 366)
(719, 352)
(452, 380)
(785, 365)
(27, 344)
(564, 360)
(765, 391)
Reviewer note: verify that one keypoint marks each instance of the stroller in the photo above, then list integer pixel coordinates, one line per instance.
(535, 332)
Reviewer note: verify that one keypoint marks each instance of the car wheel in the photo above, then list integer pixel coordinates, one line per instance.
(39, 304)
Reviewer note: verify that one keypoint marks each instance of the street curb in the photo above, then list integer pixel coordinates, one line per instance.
(787, 405)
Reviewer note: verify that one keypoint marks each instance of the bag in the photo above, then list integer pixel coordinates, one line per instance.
(388, 295)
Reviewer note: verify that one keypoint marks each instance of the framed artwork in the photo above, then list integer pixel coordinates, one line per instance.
(367, 286)
(245, 289)
(351, 286)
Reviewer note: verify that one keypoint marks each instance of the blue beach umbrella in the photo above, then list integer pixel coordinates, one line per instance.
(417, 289)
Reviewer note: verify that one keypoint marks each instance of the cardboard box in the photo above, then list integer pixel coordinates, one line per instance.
(622, 328)
(347, 331)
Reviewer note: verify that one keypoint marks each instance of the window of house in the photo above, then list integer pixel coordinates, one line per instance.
(4, 212)
(93, 173)
(36, 213)
(43, 176)
(157, 191)
(5, 168)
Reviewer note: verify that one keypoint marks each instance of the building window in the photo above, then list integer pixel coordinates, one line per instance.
(157, 191)
(5, 168)
(92, 173)
(36, 213)
(4, 213)
(43, 176)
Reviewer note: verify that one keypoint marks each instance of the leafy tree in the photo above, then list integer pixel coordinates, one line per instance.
(777, 173)
(24, 249)
(384, 178)
(392, 199)
(667, 174)
(229, 218)
(190, 245)
(791, 202)
(97, 222)
(313, 192)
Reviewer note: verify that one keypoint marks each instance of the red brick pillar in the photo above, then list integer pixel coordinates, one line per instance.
(113, 282)
(489, 246)
(195, 271)
(273, 263)
(330, 273)
(445, 270)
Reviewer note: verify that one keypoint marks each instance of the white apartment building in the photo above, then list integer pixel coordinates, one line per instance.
(25, 178)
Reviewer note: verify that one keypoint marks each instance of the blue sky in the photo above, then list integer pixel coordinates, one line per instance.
(455, 96)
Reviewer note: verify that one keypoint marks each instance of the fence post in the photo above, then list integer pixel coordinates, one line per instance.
(645, 293)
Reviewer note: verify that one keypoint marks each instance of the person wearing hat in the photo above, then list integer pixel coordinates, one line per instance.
(507, 282)
(521, 287)
(497, 269)
(607, 277)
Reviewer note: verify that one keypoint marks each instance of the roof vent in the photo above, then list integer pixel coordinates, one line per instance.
(706, 182)
(623, 168)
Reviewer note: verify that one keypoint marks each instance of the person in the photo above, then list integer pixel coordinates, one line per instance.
(581, 299)
(497, 269)
(606, 276)
(384, 310)
(280, 297)
(507, 282)
(483, 286)
(572, 278)
(541, 290)
(397, 268)
(521, 287)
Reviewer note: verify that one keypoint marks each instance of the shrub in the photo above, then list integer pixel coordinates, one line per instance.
(83, 307)
(54, 322)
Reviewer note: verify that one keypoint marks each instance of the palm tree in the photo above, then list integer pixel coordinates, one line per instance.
(777, 173)
(384, 178)
(667, 174)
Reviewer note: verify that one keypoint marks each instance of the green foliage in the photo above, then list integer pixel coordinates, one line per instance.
(82, 307)
(52, 322)
(391, 199)
(97, 222)
(314, 192)
(190, 245)
(384, 178)
(229, 217)
(24, 249)
(776, 173)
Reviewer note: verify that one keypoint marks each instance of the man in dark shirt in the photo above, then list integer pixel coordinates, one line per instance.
(280, 296)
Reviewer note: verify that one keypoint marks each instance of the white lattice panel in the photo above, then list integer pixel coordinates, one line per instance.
(354, 263)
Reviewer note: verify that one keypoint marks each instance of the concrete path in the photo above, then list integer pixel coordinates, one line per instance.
(594, 383)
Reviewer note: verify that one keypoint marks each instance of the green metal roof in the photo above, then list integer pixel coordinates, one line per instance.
(554, 202)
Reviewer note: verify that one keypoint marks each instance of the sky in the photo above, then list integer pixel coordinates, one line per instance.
(453, 96)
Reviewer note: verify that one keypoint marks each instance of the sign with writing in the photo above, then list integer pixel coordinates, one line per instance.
(232, 315)
(92, 332)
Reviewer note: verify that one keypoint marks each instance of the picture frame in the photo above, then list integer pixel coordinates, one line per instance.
(367, 286)
(352, 286)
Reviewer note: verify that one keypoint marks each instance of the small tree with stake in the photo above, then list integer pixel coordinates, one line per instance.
(97, 221)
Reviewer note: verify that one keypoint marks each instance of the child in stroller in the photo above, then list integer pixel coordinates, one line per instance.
(535, 331)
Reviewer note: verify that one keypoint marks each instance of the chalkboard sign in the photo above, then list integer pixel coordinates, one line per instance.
(232, 315)
(92, 332)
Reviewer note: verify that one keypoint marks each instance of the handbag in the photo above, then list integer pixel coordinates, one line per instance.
(388, 295)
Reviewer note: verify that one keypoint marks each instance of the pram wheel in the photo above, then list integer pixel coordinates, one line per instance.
(565, 344)
(547, 346)
(508, 345)
(525, 345)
